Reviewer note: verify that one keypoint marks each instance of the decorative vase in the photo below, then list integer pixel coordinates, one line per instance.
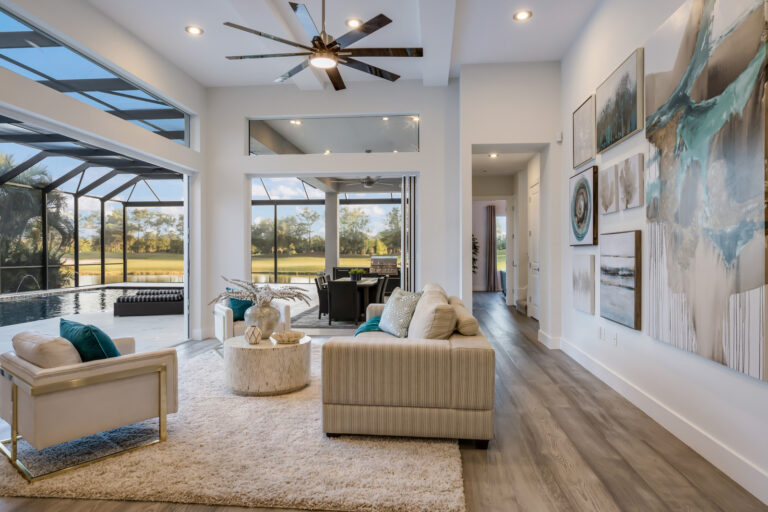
(252, 335)
(264, 317)
(355, 277)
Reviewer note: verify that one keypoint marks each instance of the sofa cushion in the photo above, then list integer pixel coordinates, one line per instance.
(238, 307)
(434, 318)
(398, 312)
(375, 335)
(91, 342)
(45, 351)
(466, 324)
(434, 287)
(370, 325)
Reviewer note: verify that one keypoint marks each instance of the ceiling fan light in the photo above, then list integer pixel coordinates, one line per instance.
(323, 60)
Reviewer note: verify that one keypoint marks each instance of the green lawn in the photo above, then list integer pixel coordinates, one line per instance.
(157, 264)
(501, 259)
(302, 265)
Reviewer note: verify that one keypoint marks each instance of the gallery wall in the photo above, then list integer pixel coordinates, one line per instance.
(720, 413)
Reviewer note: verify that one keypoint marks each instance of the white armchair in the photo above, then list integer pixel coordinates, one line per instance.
(47, 406)
(224, 326)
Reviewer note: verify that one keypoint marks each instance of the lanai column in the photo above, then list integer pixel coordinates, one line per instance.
(331, 231)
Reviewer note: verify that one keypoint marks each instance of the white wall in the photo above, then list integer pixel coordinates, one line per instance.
(520, 246)
(516, 104)
(488, 186)
(227, 188)
(718, 412)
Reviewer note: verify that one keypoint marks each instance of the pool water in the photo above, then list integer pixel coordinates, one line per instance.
(29, 309)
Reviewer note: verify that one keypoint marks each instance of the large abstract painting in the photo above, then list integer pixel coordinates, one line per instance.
(620, 278)
(584, 133)
(630, 179)
(584, 283)
(608, 192)
(705, 182)
(619, 103)
(583, 202)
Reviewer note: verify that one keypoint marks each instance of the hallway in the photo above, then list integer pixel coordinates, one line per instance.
(566, 441)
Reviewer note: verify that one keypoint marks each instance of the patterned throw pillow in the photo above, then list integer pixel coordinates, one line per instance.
(397, 314)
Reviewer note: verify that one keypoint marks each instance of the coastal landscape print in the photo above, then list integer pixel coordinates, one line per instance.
(584, 133)
(582, 207)
(619, 102)
(705, 182)
(608, 200)
(584, 283)
(630, 180)
(620, 278)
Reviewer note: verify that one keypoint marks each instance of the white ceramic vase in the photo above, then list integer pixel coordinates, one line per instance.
(264, 317)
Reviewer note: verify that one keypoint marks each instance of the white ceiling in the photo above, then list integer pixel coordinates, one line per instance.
(483, 32)
(511, 159)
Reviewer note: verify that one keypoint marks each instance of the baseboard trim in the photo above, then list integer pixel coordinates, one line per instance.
(551, 342)
(746, 473)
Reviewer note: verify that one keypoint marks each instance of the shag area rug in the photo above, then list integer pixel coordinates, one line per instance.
(224, 449)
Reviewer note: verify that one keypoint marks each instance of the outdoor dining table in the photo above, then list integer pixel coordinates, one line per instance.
(364, 287)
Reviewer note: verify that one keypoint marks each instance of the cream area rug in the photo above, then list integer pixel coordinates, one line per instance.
(224, 449)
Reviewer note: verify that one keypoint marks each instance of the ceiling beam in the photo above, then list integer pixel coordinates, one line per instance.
(83, 191)
(25, 39)
(33, 137)
(147, 113)
(5, 178)
(71, 174)
(320, 185)
(90, 85)
(437, 25)
(121, 188)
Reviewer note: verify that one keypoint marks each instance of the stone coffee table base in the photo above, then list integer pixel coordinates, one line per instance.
(266, 369)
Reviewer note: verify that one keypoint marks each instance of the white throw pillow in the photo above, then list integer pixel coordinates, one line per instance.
(398, 311)
(433, 319)
(45, 351)
(466, 323)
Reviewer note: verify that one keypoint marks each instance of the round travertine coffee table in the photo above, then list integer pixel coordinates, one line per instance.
(266, 368)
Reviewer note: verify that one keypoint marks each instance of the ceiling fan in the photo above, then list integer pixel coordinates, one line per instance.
(367, 182)
(327, 52)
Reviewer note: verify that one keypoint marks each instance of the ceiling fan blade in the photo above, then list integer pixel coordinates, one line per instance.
(301, 66)
(372, 70)
(366, 29)
(384, 52)
(305, 19)
(268, 55)
(268, 36)
(335, 77)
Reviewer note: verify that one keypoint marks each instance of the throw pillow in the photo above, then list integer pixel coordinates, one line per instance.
(398, 312)
(238, 307)
(372, 324)
(433, 319)
(90, 342)
(45, 351)
(467, 324)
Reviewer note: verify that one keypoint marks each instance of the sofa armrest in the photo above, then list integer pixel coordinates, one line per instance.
(223, 322)
(125, 345)
(374, 310)
(473, 372)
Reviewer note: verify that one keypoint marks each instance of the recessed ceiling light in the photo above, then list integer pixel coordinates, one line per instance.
(323, 60)
(296, 122)
(385, 118)
(327, 152)
(395, 151)
(354, 23)
(522, 15)
(494, 155)
(194, 30)
(415, 118)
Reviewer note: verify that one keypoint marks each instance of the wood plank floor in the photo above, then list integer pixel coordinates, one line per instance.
(564, 442)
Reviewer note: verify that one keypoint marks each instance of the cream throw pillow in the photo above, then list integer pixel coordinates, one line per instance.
(434, 318)
(466, 323)
(45, 351)
(398, 311)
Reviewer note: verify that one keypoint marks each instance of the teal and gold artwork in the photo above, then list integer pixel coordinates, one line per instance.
(706, 180)
(583, 203)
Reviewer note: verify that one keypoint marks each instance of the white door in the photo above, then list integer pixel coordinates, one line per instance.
(533, 251)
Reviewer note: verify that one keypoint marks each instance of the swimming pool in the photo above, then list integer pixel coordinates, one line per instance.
(39, 307)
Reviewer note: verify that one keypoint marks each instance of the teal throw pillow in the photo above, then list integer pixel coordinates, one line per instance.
(238, 307)
(398, 312)
(90, 342)
(371, 325)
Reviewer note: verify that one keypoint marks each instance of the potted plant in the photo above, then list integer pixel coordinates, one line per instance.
(356, 274)
(262, 314)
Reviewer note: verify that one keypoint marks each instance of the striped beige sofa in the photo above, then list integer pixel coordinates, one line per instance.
(377, 384)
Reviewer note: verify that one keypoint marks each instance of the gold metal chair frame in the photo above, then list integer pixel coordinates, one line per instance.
(18, 383)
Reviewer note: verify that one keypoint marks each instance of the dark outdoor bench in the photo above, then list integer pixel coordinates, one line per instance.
(151, 302)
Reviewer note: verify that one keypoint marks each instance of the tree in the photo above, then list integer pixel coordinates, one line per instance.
(353, 230)
(307, 218)
(391, 235)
